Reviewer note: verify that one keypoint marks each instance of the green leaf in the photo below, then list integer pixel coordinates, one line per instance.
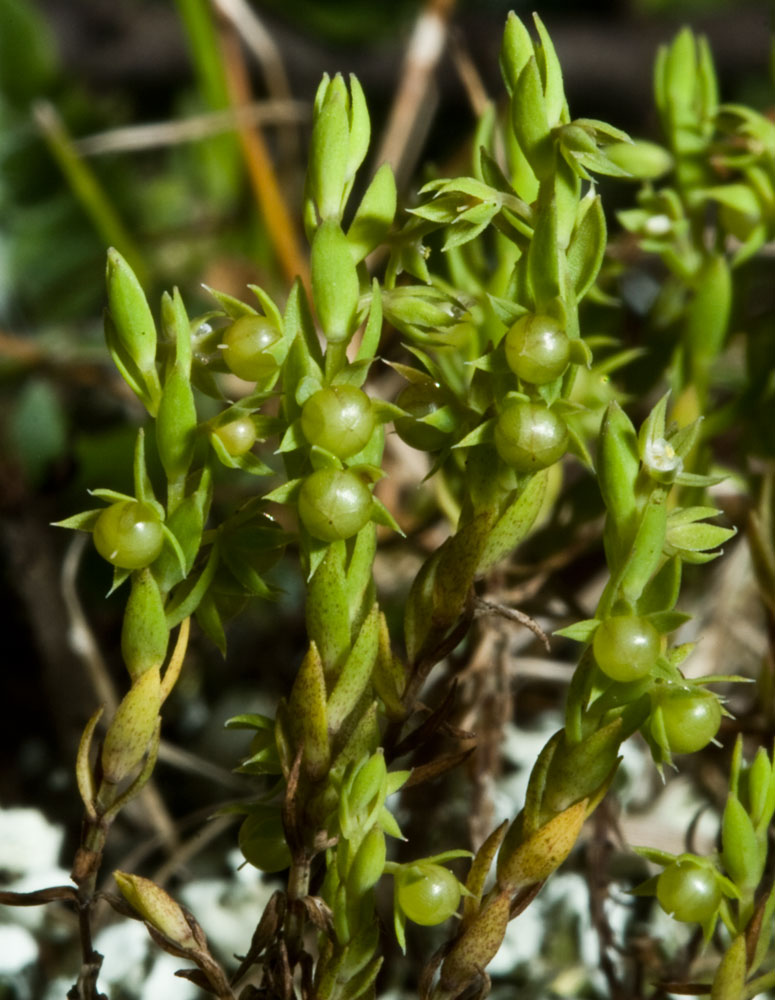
(516, 522)
(330, 150)
(327, 612)
(375, 214)
(373, 332)
(80, 522)
(587, 248)
(668, 621)
(307, 714)
(543, 259)
(530, 122)
(551, 73)
(516, 49)
(698, 537)
(144, 632)
(335, 285)
(355, 673)
(582, 631)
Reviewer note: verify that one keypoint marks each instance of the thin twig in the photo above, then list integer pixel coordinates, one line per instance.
(415, 100)
(259, 41)
(261, 172)
(470, 77)
(489, 608)
(133, 138)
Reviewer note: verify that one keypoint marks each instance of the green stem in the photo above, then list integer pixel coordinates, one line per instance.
(759, 985)
(336, 358)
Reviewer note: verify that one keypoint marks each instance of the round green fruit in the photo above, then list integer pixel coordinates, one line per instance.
(262, 841)
(428, 894)
(689, 891)
(691, 718)
(246, 347)
(238, 436)
(339, 419)
(530, 436)
(537, 349)
(129, 534)
(334, 504)
(626, 647)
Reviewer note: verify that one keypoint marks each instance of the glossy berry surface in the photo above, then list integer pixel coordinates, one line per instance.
(691, 719)
(129, 534)
(689, 891)
(428, 894)
(334, 504)
(626, 647)
(246, 342)
(421, 400)
(537, 349)
(238, 436)
(339, 419)
(530, 436)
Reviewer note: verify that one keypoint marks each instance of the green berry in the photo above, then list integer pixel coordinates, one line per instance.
(334, 504)
(246, 347)
(529, 436)
(626, 647)
(537, 349)
(690, 716)
(262, 841)
(428, 894)
(129, 534)
(689, 891)
(339, 419)
(238, 436)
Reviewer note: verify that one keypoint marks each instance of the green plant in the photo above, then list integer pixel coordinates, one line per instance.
(501, 386)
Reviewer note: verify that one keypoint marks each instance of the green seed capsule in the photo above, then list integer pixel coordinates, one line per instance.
(238, 436)
(626, 647)
(246, 347)
(129, 534)
(334, 504)
(689, 891)
(427, 893)
(537, 349)
(530, 436)
(339, 419)
(690, 718)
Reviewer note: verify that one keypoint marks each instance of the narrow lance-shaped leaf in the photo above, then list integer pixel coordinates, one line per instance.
(355, 673)
(329, 151)
(307, 714)
(587, 248)
(375, 214)
(328, 622)
(530, 123)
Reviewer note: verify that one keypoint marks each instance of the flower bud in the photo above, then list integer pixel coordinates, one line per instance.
(158, 908)
(133, 725)
(144, 633)
(335, 285)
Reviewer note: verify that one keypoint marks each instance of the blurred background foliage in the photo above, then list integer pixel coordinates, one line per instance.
(112, 132)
